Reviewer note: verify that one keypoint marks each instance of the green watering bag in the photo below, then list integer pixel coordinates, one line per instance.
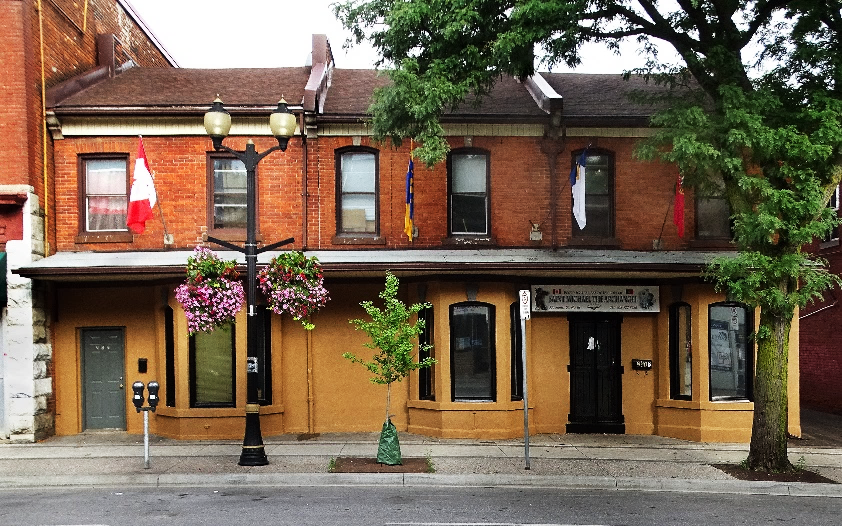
(389, 449)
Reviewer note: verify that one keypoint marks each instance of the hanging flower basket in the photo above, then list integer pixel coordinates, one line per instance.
(293, 283)
(212, 294)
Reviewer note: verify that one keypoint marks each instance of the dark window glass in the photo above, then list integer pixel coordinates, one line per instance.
(713, 218)
(599, 196)
(106, 195)
(730, 325)
(264, 355)
(516, 337)
(425, 375)
(472, 353)
(681, 355)
(229, 193)
(833, 204)
(169, 338)
(357, 194)
(212, 368)
(469, 193)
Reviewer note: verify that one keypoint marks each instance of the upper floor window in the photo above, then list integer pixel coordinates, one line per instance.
(468, 195)
(357, 210)
(472, 351)
(730, 326)
(227, 193)
(599, 195)
(833, 204)
(681, 355)
(713, 214)
(104, 185)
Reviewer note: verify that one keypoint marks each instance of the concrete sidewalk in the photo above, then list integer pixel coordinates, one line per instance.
(116, 459)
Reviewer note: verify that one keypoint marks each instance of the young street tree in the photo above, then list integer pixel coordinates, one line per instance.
(769, 140)
(393, 338)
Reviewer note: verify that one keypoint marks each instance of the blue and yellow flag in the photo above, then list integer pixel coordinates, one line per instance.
(410, 202)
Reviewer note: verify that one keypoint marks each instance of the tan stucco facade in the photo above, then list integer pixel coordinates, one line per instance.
(316, 390)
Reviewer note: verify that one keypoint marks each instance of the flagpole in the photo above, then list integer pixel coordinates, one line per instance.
(168, 239)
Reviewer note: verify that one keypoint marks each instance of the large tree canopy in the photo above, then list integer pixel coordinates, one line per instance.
(768, 138)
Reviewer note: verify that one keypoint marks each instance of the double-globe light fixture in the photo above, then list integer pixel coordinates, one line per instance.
(217, 125)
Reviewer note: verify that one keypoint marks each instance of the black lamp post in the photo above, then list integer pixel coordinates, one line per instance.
(217, 125)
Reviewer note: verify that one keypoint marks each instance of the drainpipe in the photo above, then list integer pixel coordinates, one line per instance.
(44, 133)
(310, 408)
(552, 144)
(304, 193)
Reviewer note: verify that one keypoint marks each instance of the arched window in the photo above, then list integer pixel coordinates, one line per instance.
(599, 194)
(357, 191)
(468, 179)
(472, 351)
(681, 353)
(731, 352)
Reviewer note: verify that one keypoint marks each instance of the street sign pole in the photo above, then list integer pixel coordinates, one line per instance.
(524, 315)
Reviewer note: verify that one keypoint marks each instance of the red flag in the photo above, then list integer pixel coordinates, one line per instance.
(678, 208)
(142, 197)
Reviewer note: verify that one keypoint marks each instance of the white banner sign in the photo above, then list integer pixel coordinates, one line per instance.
(595, 298)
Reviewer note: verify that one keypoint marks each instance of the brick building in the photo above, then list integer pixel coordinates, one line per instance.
(821, 359)
(624, 334)
(45, 44)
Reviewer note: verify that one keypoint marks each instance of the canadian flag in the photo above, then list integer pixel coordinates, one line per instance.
(142, 197)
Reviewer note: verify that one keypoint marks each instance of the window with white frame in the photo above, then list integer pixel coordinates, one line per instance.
(468, 196)
(105, 183)
(356, 192)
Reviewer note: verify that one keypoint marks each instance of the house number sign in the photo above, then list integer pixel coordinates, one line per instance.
(595, 298)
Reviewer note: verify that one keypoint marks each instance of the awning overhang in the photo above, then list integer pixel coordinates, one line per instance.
(526, 262)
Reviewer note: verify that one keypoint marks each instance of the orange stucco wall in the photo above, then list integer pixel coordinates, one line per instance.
(316, 390)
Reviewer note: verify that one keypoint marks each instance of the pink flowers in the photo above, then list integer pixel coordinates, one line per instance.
(293, 283)
(212, 294)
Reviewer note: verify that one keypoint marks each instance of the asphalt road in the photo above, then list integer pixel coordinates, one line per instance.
(351, 506)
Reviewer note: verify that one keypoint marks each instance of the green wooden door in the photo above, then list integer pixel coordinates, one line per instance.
(103, 382)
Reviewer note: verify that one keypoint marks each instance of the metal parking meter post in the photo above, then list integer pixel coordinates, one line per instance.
(137, 399)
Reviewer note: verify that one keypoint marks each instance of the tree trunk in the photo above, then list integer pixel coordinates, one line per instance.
(388, 400)
(767, 451)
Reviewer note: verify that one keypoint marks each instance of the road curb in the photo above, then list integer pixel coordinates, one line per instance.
(135, 480)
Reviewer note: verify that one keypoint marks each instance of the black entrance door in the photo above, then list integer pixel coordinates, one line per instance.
(596, 387)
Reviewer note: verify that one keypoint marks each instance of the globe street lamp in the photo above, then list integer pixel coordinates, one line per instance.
(217, 125)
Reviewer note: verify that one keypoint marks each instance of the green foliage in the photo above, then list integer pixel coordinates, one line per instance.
(768, 139)
(392, 336)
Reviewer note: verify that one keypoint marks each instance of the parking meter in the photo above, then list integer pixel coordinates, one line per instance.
(153, 394)
(137, 399)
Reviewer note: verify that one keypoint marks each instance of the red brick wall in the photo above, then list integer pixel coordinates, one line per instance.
(68, 51)
(520, 193)
(15, 156)
(820, 350)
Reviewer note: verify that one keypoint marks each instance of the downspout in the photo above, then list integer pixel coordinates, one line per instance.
(552, 145)
(304, 193)
(44, 133)
(310, 409)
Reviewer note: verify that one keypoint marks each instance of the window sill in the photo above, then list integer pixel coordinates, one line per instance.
(594, 242)
(468, 241)
(232, 236)
(833, 243)
(112, 237)
(350, 239)
(715, 244)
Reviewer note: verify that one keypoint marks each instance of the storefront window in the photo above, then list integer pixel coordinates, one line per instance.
(730, 325)
(425, 374)
(681, 355)
(212, 368)
(472, 352)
